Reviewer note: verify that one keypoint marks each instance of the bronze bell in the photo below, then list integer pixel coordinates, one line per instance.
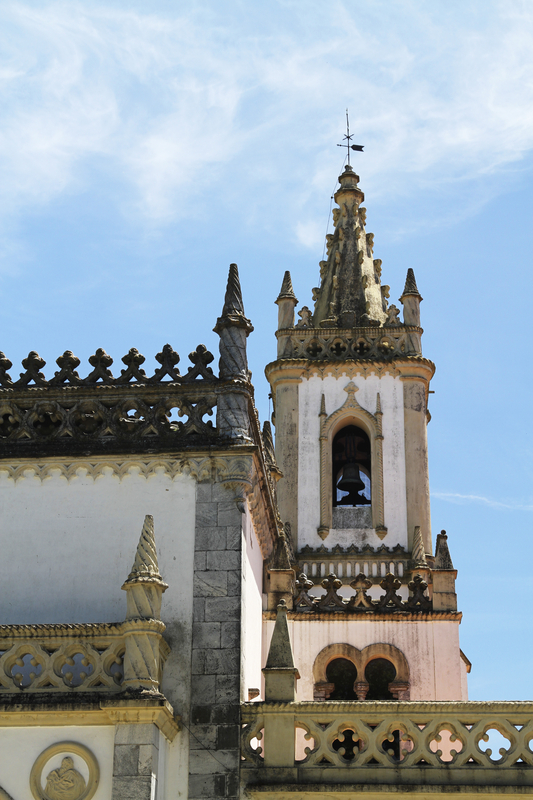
(351, 482)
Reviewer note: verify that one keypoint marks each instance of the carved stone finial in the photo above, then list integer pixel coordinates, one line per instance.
(233, 309)
(391, 599)
(67, 364)
(332, 599)
(302, 599)
(443, 560)
(32, 364)
(233, 328)
(410, 284)
(101, 362)
(419, 553)
(418, 599)
(286, 291)
(145, 568)
(360, 599)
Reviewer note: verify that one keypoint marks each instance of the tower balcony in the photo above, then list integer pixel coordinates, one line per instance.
(429, 749)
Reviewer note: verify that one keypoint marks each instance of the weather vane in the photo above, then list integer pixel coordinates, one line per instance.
(348, 138)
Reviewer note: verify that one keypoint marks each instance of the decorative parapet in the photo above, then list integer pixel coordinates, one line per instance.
(360, 344)
(105, 414)
(70, 658)
(387, 743)
(360, 602)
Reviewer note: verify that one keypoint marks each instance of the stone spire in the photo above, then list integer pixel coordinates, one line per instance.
(410, 284)
(144, 584)
(411, 300)
(233, 327)
(280, 672)
(145, 567)
(443, 559)
(145, 648)
(419, 553)
(286, 303)
(350, 294)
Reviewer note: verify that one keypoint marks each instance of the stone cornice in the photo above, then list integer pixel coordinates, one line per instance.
(293, 369)
(369, 616)
(55, 710)
(426, 708)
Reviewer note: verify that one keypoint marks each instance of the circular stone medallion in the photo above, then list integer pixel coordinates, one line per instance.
(65, 782)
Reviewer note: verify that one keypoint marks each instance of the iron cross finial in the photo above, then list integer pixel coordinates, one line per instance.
(348, 138)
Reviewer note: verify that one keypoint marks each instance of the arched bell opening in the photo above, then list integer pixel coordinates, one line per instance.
(341, 674)
(351, 468)
(380, 673)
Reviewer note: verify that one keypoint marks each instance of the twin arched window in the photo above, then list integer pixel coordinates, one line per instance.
(351, 468)
(342, 676)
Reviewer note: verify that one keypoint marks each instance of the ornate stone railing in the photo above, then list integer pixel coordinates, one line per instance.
(360, 601)
(402, 743)
(347, 562)
(334, 344)
(79, 658)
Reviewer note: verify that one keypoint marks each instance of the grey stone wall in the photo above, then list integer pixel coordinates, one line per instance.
(215, 684)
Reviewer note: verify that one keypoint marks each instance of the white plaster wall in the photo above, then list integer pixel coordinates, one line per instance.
(20, 747)
(252, 610)
(310, 394)
(71, 545)
(431, 649)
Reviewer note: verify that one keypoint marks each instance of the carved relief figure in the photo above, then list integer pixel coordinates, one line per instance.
(65, 783)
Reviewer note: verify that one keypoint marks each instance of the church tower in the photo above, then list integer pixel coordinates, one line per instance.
(375, 612)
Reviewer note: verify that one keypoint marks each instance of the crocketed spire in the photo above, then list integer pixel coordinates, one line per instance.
(350, 294)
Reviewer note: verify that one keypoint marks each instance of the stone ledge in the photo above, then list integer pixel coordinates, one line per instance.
(89, 708)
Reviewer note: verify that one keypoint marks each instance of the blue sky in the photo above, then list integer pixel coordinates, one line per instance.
(143, 151)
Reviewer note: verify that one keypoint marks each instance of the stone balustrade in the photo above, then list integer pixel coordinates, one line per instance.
(78, 658)
(448, 744)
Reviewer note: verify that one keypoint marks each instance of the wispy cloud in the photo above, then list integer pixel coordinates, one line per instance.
(462, 499)
(165, 102)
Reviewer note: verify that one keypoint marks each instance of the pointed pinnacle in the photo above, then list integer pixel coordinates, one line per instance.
(443, 559)
(233, 300)
(287, 292)
(410, 284)
(419, 554)
(280, 651)
(233, 310)
(145, 567)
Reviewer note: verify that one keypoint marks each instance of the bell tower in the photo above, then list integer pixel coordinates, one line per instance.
(350, 388)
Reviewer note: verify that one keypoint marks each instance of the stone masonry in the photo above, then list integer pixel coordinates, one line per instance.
(215, 682)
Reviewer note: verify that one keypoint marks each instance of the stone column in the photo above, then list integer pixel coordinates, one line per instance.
(416, 459)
